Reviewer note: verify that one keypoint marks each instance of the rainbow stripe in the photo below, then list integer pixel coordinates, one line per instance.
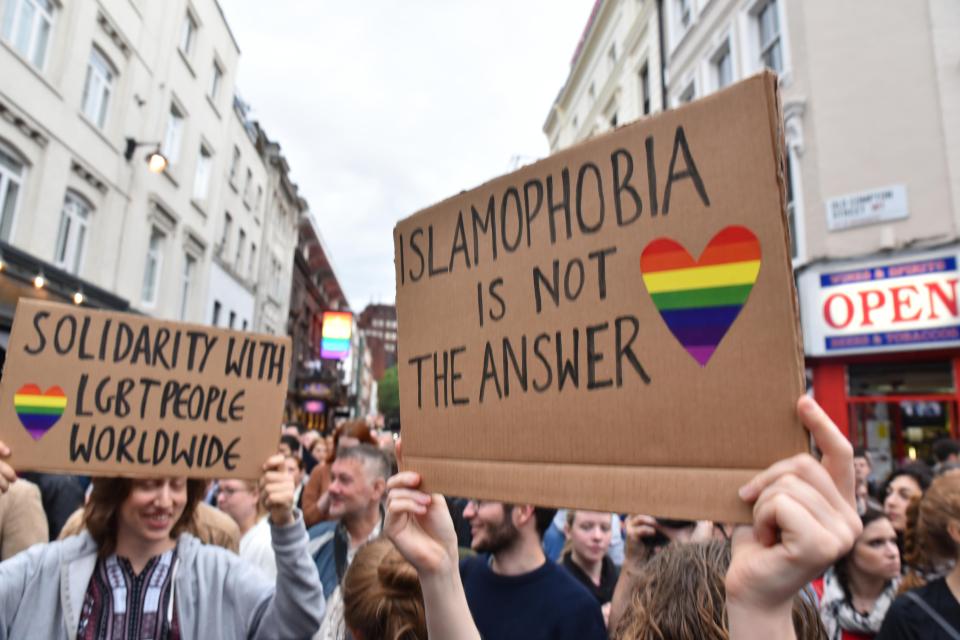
(699, 300)
(335, 335)
(38, 410)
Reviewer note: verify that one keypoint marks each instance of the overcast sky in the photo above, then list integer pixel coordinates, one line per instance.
(387, 106)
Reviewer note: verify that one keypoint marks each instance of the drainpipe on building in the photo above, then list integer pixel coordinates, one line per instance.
(663, 56)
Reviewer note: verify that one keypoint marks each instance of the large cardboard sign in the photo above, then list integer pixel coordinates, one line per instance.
(614, 327)
(104, 393)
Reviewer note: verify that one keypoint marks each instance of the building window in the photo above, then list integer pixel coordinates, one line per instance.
(246, 187)
(215, 81)
(252, 266)
(173, 136)
(151, 271)
(233, 319)
(11, 179)
(244, 327)
(238, 260)
(188, 34)
(234, 165)
(645, 89)
(592, 91)
(791, 209)
(613, 120)
(723, 66)
(27, 25)
(612, 54)
(98, 88)
(684, 15)
(768, 20)
(256, 203)
(688, 94)
(72, 235)
(186, 282)
(225, 236)
(216, 313)
(201, 182)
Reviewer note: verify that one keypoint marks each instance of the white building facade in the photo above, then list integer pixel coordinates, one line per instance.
(89, 90)
(872, 132)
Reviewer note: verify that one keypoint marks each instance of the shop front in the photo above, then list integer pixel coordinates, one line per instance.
(882, 340)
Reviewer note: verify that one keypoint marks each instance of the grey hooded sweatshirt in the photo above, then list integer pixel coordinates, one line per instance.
(217, 595)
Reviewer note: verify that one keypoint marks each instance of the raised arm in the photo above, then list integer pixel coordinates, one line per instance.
(297, 605)
(420, 526)
(804, 519)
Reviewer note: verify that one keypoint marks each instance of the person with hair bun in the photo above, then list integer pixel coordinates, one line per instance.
(382, 599)
(855, 593)
(929, 610)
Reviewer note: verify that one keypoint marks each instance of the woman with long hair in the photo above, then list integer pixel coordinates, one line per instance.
(855, 593)
(135, 572)
(382, 599)
(929, 609)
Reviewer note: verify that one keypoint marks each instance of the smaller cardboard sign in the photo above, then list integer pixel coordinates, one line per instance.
(104, 393)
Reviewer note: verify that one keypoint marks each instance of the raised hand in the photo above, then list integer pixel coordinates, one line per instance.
(7, 475)
(276, 490)
(805, 519)
(420, 526)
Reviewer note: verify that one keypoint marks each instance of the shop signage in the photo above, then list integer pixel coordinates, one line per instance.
(867, 207)
(881, 307)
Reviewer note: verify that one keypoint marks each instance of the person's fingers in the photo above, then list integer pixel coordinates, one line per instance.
(4, 450)
(801, 465)
(837, 450)
(274, 462)
(7, 472)
(782, 512)
(404, 480)
(805, 495)
(410, 494)
(406, 505)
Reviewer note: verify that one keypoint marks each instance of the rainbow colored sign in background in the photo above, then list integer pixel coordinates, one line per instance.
(336, 334)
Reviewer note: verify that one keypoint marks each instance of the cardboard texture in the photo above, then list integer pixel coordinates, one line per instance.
(104, 393)
(614, 327)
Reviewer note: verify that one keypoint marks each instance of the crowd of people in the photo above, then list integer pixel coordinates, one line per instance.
(333, 542)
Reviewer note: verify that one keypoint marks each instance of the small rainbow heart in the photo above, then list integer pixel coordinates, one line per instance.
(699, 300)
(39, 410)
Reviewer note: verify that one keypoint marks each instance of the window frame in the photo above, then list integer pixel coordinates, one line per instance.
(188, 34)
(216, 81)
(14, 8)
(8, 177)
(157, 255)
(775, 41)
(202, 174)
(176, 121)
(186, 280)
(95, 106)
(75, 215)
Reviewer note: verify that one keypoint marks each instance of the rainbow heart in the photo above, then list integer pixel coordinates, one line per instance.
(39, 410)
(699, 300)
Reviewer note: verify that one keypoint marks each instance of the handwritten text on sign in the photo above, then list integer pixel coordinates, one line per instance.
(106, 390)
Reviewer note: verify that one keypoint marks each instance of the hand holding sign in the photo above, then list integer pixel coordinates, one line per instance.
(7, 474)
(805, 519)
(276, 490)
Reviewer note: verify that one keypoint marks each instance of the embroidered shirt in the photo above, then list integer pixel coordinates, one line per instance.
(120, 604)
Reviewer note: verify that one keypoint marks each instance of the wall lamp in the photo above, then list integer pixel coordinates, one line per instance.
(156, 161)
